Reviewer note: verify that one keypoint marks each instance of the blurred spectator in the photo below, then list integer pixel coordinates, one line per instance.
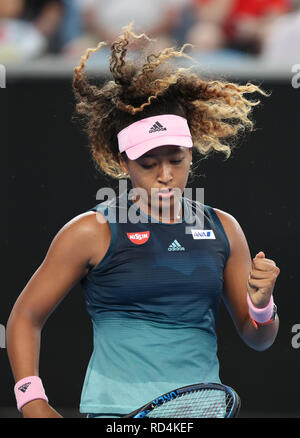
(281, 44)
(103, 21)
(27, 26)
(235, 24)
(46, 16)
(71, 25)
(210, 17)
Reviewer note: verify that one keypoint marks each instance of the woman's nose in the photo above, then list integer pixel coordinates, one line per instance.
(165, 173)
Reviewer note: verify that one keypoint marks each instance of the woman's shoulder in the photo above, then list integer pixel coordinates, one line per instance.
(89, 233)
(231, 226)
(89, 223)
(225, 217)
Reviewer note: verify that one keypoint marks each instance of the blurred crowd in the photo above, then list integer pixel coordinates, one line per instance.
(262, 28)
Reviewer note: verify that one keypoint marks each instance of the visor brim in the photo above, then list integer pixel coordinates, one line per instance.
(138, 150)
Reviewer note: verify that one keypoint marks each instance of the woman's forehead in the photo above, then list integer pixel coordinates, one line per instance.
(164, 150)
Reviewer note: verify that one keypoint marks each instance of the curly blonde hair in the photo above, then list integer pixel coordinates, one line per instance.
(216, 110)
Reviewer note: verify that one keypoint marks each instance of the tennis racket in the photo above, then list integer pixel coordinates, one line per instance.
(202, 400)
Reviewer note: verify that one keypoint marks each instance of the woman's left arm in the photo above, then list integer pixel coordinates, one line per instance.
(256, 276)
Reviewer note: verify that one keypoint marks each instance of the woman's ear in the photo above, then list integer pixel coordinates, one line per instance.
(122, 163)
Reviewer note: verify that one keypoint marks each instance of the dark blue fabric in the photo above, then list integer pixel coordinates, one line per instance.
(153, 307)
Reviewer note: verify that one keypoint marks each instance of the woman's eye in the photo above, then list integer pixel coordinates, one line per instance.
(145, 166)
(148, 166)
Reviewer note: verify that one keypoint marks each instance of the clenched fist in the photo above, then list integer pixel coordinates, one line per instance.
(261, 280)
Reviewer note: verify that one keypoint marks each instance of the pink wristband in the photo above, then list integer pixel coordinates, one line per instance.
(261, 315)
(28, 389)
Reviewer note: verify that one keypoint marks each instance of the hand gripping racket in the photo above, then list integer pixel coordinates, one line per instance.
(202, 400)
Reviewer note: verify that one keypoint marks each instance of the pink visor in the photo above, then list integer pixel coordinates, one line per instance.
(151, 132)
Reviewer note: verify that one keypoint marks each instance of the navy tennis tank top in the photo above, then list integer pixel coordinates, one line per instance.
(153, 302)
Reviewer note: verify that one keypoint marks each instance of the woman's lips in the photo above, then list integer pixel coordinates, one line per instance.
(165, 194)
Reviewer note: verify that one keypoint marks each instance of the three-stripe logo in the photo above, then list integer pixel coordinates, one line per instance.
(24, 387)
(175, 246)
(157, 127)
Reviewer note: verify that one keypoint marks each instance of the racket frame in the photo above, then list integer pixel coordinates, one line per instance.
(164, 398)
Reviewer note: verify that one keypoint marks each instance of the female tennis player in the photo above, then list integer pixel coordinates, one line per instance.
(152, 288)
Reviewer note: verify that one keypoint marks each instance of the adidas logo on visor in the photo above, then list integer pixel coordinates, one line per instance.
(157, 127)
(175, 246)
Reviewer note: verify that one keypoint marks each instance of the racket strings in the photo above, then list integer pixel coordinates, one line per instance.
(208, 403)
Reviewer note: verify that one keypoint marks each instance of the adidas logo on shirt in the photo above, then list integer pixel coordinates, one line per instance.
(157, 127)
(175, 246)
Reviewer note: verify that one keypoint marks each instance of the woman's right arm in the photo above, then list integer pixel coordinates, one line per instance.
(76, 247)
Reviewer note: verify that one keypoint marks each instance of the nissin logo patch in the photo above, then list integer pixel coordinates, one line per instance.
(139, 238)
(203, 234)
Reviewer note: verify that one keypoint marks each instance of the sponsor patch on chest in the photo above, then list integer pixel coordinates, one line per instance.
(139, 238)
(203, 234)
